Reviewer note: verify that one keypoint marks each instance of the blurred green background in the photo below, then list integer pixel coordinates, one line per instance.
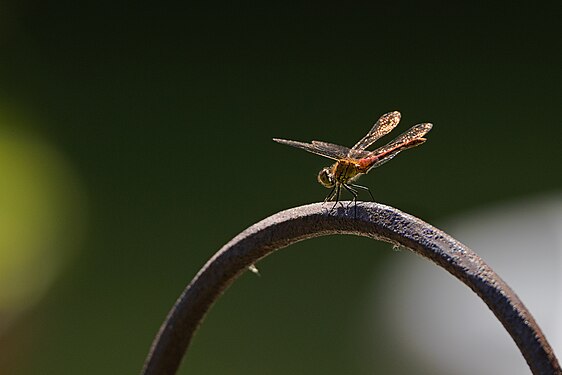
(135, 140)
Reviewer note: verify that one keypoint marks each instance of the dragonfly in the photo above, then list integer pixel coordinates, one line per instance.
(351, 163)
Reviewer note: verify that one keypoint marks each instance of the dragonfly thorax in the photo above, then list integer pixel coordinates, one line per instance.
(342, 172)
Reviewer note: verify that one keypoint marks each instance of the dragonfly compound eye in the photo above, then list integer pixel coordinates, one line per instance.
(326, 178)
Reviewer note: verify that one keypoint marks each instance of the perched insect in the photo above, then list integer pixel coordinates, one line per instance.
(353, 162)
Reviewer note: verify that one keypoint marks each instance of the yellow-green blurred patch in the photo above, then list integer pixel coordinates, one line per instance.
(41, 211)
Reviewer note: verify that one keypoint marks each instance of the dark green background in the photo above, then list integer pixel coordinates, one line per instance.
(166, 113)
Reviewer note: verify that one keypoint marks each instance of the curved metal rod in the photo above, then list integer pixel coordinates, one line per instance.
(372, 220)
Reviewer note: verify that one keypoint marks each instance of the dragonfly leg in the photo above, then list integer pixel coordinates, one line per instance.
(336, 195)
(354, 193)
(330, 196)
(364, 188)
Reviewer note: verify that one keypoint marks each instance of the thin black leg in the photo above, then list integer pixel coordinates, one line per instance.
(338, 191)
(364, 188)
(331, 195)
(354, 193)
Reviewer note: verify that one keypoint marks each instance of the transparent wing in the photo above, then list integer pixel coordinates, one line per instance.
(411, 138)
(383, 126)
(328, 150)
(338, 149)
(416, 132)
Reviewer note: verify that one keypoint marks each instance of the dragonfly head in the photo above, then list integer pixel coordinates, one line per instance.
(326, 178)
